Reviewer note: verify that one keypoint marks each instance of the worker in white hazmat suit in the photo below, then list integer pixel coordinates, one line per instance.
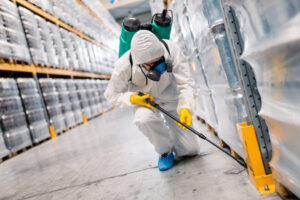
(143, 69)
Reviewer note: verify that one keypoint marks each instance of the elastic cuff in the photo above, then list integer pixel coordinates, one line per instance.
(126, 98)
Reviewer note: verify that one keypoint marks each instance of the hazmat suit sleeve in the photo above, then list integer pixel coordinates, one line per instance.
(183, 79)
(117, 88)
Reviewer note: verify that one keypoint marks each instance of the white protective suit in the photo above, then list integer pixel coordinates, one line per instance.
(174, 91)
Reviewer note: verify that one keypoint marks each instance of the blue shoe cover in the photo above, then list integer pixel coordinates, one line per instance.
(165, 163)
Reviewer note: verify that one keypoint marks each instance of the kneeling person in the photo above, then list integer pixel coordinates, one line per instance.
(159, 70)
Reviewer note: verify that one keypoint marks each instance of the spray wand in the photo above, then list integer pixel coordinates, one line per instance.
(152, 103)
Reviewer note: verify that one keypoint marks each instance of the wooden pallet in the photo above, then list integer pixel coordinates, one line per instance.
(13, 61)
(200, 119)
(283, 192)
(60, 133)
(5, 158)
(7, 60)
(13, 154)
(19, 62)
(67, 129)
(41, 65)
(71, 127)
(223, 144)
(211, 129)
(42, 141)
(234, 154)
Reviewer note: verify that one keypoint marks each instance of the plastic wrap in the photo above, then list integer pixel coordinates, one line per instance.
(78, 52)
(90, 98)
(176, 33)
(99, 59)
(156, 6)
(94, 97)
(3, 150)
(205, 105)
(105, 104)
(43, 4)
(183, 14)
(183, 18)
(91, 55)
(78, 17)
(34, 110)
(204, 102)
(271, 45)
(222, 78)
(75, 103)
(99, 94)
(13, 121)
(54, 108)
(47, 42)
(30, 24)
(63, 96)
(108, 58)
(88, 65)
(104, 15)
(58, 45)
(12, 38)
(70, 52)
(217, 81)
(82, 96)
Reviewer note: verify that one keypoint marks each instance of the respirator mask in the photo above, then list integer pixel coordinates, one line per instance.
(158, 68)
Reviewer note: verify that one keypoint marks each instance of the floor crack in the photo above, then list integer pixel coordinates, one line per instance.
(89, 183)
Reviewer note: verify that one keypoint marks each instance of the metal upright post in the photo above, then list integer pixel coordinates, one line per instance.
(247, 80)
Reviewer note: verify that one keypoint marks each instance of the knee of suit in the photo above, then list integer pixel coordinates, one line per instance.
(144, 116)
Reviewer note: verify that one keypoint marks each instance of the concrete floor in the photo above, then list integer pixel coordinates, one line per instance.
(108, 158)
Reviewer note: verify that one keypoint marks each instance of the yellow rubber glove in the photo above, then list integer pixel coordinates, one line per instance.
(185, 117)
(140, 100)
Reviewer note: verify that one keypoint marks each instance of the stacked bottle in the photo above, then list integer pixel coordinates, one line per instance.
(84, 102)
(52, 59)
(12, 39)
(63, 96)
(33, 36)
(75, 103)
(34, 110)
(3, 150)
(53, 105)
(13, 120)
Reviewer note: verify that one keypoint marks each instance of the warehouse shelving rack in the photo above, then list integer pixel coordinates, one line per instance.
(14, 68)
(61, 23)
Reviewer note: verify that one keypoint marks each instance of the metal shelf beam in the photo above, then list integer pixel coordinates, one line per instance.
(30, 68)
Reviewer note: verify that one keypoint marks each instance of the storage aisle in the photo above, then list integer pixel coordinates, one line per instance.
(108, 158)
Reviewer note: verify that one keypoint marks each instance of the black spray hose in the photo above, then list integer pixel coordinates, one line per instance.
(152, 103)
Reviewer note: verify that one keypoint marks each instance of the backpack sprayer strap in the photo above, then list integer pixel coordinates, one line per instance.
(165, 44)
(131, 63)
